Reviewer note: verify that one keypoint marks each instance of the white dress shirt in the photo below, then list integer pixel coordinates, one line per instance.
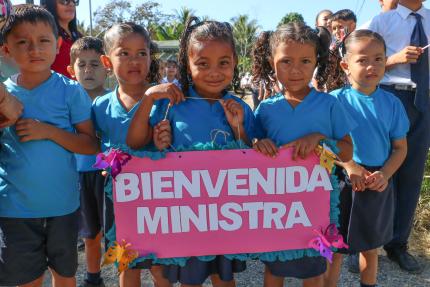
(396, 28)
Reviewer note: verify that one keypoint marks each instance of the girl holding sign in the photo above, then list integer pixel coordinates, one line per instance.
(367, 201)
(299, 116)
(209, 114)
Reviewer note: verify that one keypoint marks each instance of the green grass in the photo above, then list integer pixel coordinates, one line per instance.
(422, 214)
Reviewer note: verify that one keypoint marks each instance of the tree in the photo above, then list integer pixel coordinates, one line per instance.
(244, 33)
(174, 28)
(291, 17)
(146, 14)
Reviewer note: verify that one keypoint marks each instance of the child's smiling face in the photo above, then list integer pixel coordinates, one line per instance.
(340, 28)
(294, 64)
(211, 65)
(33, 47)
(365, 64)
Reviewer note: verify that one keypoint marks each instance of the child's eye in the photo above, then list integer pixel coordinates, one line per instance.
(285, 61)
(306, 61)
(202, 64)
(379, 59)
(21, 42)
(81, 65)
(45, 41)
(94, 65)
(224, 63)
(142, 54)
(123, 53)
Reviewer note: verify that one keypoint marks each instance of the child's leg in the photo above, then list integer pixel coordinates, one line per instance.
(61, 281)
(130, 278)
(331, 276)
(217, 282)
(317, 281)
(93, 253)
(369, 266)
(36, 283)
(271, 280)
(158, 278)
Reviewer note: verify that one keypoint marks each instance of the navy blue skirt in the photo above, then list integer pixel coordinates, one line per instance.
(195, 272)
(303, 268)
(367, 217)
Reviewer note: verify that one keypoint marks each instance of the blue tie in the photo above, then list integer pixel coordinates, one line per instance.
(420, 70)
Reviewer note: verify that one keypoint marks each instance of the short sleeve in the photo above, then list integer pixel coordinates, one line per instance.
(158, 112)
(400, 123)
(342, 122)
(249, 121)
(374, 24)
(79, 105)
(260, 130)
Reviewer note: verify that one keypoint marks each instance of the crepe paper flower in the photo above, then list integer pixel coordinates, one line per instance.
(327, 239)
(327, 158)
(121, 254)
(115, 159)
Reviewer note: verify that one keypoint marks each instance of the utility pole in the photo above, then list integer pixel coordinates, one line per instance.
(91, 20)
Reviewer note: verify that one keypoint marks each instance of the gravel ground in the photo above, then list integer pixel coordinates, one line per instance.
(389, 276)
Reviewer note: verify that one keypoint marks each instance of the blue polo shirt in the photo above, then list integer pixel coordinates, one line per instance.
(39, 178)
(317, 113)
(381, 119)
(85, 163)
(111, 119)
(197, 120)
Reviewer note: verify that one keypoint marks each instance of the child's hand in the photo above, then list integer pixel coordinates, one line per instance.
(266, 147)
(10, 108)
(30, 129)
(166, 91)
(162, 135)
(305, 145)
(377, 181)
(233, 112)
(357, 175)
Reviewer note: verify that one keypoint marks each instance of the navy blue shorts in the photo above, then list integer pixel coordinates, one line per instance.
(303, 268)
(195, 272)
(91, 188)
(34, 244)
(367, 217)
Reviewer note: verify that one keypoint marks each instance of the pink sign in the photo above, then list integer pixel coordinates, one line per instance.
(220, 202)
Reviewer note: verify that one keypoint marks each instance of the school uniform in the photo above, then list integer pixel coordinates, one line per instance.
(39, 185)
(111, 121)
(193, 121)
(367, 217)
(278, 120)
(409, 82)
(91, 190)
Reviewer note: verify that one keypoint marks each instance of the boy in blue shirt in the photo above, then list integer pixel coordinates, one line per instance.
(89, 71)
(38, 177)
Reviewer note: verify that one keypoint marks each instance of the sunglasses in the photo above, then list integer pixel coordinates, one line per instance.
(67, 2)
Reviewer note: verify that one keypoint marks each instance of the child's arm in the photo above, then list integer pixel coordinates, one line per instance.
(235, 116)
(140, 131)
(162, 135)
(409, 55)
(379, 180)
(266, 147)
(357, 174)
(10, 108)
(83, 141)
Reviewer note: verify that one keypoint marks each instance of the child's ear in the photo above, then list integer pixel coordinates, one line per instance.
(106, 62)
(5, 50)
(71, 71)
(345, 67)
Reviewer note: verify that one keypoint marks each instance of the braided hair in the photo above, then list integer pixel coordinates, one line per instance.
(298, 32)
(198, 31)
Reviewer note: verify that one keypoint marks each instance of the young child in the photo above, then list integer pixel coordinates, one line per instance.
(208, 62)
(300, 117)
(38, 177)
(322, 19)
(342, 23)
(367, 201)
(88, 70)
(130, 55)
(171, 72)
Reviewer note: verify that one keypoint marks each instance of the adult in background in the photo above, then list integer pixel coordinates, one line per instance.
(386, 5)
(64, 12)
(406, 31)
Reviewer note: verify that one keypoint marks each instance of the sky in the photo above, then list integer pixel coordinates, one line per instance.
(267, 15)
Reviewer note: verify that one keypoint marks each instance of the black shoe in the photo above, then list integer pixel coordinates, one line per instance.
(81, 244)
(405, 260)
(88, 284)
(353, 263)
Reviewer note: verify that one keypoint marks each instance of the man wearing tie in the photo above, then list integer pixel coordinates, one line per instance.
(406, 31)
